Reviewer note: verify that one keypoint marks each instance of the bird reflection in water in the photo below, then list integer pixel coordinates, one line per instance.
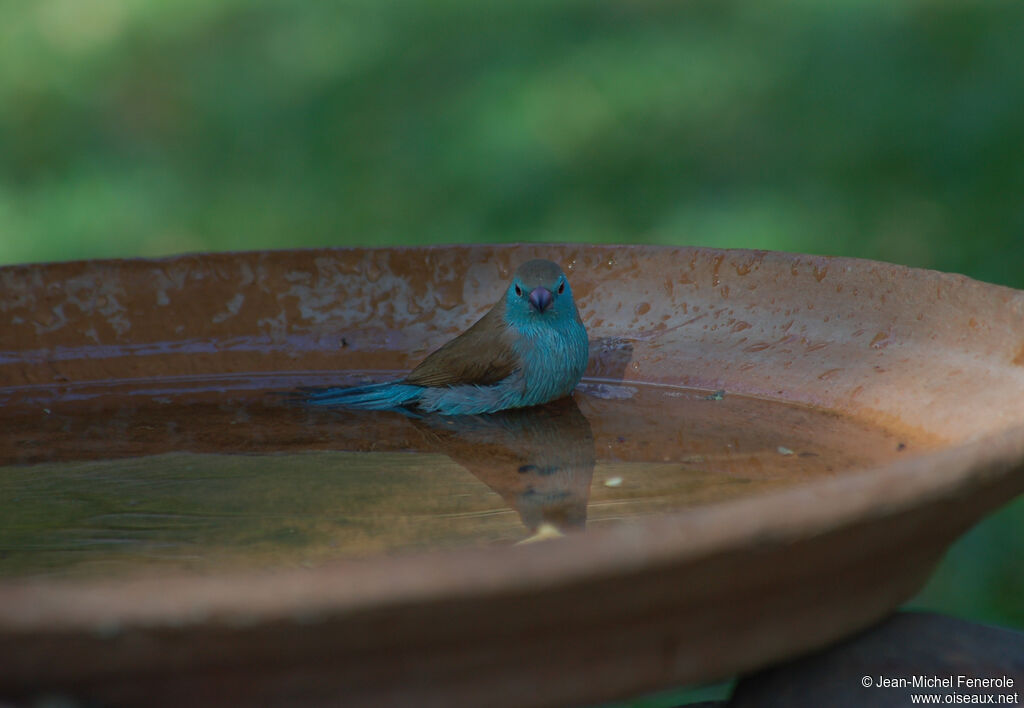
(539, 460)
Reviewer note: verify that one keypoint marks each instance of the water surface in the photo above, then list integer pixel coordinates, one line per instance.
(207, 474)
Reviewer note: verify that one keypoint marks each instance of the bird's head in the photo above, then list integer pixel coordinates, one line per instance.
(539, 288)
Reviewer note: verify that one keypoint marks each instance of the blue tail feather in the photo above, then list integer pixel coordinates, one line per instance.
(374, 397)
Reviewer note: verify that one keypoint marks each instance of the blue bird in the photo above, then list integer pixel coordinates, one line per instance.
(530, 348)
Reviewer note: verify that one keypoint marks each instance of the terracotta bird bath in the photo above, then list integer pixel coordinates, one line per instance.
(769, 452)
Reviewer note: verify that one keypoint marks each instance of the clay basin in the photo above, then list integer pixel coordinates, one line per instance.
(769, 452)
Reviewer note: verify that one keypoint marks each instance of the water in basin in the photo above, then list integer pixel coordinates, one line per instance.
(215, 473)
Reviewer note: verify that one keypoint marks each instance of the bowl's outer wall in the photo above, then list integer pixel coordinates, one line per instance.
(679, 598)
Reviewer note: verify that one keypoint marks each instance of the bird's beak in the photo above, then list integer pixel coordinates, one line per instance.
(540, 298)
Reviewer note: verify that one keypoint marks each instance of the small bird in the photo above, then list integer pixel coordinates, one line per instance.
(530, 348)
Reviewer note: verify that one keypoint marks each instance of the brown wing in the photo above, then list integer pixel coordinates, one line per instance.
(481, 355)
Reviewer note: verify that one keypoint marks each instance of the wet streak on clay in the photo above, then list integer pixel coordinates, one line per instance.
(207, 476)
(843, 334)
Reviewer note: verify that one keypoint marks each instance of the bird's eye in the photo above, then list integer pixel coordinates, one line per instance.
(519, 291)
(561, 287)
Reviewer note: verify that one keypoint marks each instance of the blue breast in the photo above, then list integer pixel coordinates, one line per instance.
(554, 357)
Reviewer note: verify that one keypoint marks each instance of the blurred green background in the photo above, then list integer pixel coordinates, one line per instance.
(891, 130)
(882, 129)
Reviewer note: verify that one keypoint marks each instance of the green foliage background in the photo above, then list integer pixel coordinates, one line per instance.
(885, 129)
(891, 130)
